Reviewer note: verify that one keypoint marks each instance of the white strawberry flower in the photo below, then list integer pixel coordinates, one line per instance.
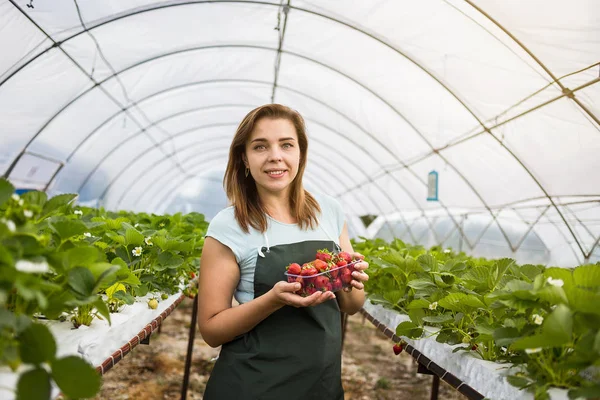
(9, 224)
(555, 282)
(15, 197)
(87, 234)
(137, 251)
(148, 241)
(433, 305)
(136, 225)
(78, 212)
(447, 251)
(537, 319)
(381, 248)
(32, 267)
(28, 213)
(21, 202)
(533, 351)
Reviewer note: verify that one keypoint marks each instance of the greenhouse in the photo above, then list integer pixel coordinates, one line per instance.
(461, 138)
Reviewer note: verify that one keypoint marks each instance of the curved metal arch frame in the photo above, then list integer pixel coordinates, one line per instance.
(397, 51)
(146, 152)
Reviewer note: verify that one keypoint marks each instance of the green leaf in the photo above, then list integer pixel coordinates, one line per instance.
(115, 224)
(418, 303)
(501, 267)
(552, 295)
(582, 300)
(75, 377)
(133, 237)
(560, 273)
(35, 197)
(115, 237)
(449, 337)
(589, 392)
(393, 296)
(6, 190)
(505, 336)
(125, 276)
(587, 276)
(82, 256)
(161, 242)
(428, 262)
(416, 315)
(119, 261)
(518, 381)
(68, 228)
(36, 344)
(82, 282)
(57, 202)
(34, 385)
(438, 319)
(102, 309)
(419, 284)
(559, 324)
(110, 291)
(125, 297)
(597, 343)
(105, 274)
(409, 329)
(530, 271)
(460, 302)
(168, 259)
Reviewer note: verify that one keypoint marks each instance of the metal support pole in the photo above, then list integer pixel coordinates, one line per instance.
(435, 387)
(188, 357)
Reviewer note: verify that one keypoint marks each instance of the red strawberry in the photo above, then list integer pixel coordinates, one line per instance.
(341, 263)
(337, 284)
(294, 269)
(321, 282)
(310, 290)
(345, 255)
(320, 265)
(474, 347)
(323, 255)
(309, 271)
(397, 348)
(346, 275)
(300, 281)
(192, 275)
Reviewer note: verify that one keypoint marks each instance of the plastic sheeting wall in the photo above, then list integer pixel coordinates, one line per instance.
(133, 104)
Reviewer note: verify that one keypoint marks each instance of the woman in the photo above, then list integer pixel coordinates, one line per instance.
(276, 344)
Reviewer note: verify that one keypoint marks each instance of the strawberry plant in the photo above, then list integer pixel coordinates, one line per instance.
(61, 261)
(544, 321)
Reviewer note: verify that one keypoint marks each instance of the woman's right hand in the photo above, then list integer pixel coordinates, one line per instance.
(284, 294)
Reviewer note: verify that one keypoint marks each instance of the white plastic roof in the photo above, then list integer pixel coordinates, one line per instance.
(128, 102)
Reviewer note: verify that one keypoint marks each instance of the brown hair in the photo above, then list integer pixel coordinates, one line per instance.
(241, 190)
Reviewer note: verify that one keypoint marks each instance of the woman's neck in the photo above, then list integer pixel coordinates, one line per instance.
(277, 205)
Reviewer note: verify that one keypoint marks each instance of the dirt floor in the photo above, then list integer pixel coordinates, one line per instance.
(370, 370)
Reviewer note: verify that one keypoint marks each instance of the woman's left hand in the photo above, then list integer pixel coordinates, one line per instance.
(359, 276)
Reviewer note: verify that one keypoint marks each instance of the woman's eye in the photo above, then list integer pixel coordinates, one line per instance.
(287, 145)
(260, 147)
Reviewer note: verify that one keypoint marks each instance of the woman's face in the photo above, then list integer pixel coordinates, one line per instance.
(273, 154)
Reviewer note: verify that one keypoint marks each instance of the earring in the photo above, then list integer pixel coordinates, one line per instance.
(247, 171)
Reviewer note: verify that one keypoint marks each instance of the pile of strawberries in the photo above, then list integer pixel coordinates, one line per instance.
(328, 272)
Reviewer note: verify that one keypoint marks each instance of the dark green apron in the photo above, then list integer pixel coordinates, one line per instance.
(295, 353)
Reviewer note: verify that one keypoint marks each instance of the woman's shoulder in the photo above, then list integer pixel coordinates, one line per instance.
(225, 219)
(326, 202)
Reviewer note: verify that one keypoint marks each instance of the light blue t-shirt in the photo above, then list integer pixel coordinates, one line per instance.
(246, 246)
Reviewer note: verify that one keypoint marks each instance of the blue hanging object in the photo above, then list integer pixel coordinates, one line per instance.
(432, 186)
